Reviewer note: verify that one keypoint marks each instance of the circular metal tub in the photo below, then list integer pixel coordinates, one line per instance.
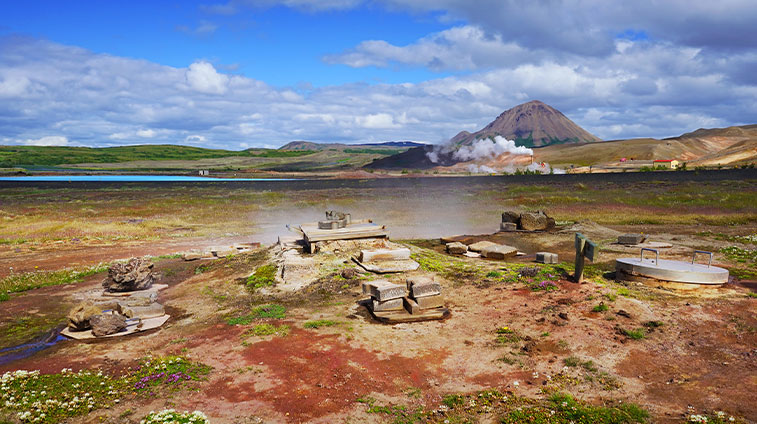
(676, 271)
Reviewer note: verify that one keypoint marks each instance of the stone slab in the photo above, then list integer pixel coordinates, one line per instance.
(384, 255)
(192, 256)
(456, 248)
(546, 257)
(388, 267)
(470, 254)
(630, 238)
(383, 290)
(423, 287)
(133, 325)
(508, 226)
(499, 251)
(388, 305)
(481, 245)
(150, 311)
(430, 302)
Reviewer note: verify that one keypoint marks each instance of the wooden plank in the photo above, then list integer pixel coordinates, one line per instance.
(397, 317)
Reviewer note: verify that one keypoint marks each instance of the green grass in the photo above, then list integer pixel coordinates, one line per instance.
(174, 417)
(272, 311)
(264, 276)
(319, 323)
(267, 330)
(600, 308)
(563, 408)
(738, 254)
(54, 155)
(15, 283)
(4, 297)
(637, 334)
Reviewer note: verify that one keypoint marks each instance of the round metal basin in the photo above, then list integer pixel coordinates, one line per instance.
(676, 271)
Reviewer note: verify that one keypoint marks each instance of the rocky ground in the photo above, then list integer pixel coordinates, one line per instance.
(323, 359)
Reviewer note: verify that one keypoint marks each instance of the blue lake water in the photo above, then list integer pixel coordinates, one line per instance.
(133, 178)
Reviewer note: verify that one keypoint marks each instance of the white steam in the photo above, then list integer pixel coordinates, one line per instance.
(490, 149)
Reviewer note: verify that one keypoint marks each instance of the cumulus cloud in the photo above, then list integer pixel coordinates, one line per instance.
(50, 140)
(203, 77)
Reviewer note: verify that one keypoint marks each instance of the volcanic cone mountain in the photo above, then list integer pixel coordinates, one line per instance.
(532, 124)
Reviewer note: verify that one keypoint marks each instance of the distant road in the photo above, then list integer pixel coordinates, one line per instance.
(493, 181)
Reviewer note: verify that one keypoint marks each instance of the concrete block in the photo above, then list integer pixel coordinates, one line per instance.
(456, 248)
(424, 288)
(387, 305)
(383, 290)
(498, 251)
(192, 256)
(411, 305)
(385, 255)
(630, 238)
(546, 257)
(430, 302)
(508, 226)
(481, 245)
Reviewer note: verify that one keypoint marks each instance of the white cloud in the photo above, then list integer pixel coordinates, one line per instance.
(203, 77)
(50, 140)
(195, 139)
(376, 121)
(146, 133)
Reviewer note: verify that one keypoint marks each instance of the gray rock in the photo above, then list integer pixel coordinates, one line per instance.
(630, 239)
(383, 290)
(105, 324)
(79, 317)
(430, 302)
(498, 251)
(424, 288)
(134, 275)
(456, 248)
(533, 221)
(508, 226)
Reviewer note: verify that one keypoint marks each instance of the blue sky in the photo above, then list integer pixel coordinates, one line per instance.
(260, 73)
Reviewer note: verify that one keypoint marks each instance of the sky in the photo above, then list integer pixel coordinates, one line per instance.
(237, 74)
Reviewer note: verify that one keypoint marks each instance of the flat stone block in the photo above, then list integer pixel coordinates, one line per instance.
(480, 246)
(383, 290)
(150, 311)
(385, 255)
(470, 254)
(425, 288)
(192, 256)
(456, 248)
(546, 257)
(387, 305)
(411, 305)
(430, 302)
(508, 226)
(630, 239)
(499, 251)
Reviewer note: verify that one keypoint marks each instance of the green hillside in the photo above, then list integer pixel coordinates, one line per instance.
(61, 155)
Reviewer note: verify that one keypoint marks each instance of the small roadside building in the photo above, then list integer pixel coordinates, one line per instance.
(667, 163)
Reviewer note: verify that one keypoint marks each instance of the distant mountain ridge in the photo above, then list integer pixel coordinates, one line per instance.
(311, 145)
(532, 124)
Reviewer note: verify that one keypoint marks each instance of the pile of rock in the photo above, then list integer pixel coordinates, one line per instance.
(486, 249)
(417, 295)
(513, 220)
(87, 316)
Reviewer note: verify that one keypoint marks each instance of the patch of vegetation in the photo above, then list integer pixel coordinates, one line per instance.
(15, 283)
(637, 334)
(164, 257)
(719, 417)
(738, 254)
(600, 308)
(264, 276)
(506, 335)
(271, 311)
(384, 152)
(4, 297)
(173, 417)
(267, 330)
(752, 294)
(319, 323)
(172, 372)
(563, 408)
(750, 239)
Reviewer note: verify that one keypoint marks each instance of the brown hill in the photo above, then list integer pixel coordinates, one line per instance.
(531, 124)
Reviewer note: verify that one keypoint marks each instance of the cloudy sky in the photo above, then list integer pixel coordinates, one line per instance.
(260, 73)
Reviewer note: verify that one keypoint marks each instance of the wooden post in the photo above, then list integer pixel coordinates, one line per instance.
(585, 249)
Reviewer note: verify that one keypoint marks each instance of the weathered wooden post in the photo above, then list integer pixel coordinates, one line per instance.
(585, 249)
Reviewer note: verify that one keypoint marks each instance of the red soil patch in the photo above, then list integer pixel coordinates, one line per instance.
(319, 374)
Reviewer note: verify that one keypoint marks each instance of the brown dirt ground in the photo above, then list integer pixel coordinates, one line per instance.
(702, 356)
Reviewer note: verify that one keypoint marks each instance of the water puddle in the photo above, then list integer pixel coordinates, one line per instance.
(25, 350)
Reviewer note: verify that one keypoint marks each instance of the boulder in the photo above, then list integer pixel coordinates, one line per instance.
(456, 248)
(511, 216)
(481, 245)
(78, 318)
(106, 324)
(499, 251)
(130, 276)
(348, 273)
(533, 221)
